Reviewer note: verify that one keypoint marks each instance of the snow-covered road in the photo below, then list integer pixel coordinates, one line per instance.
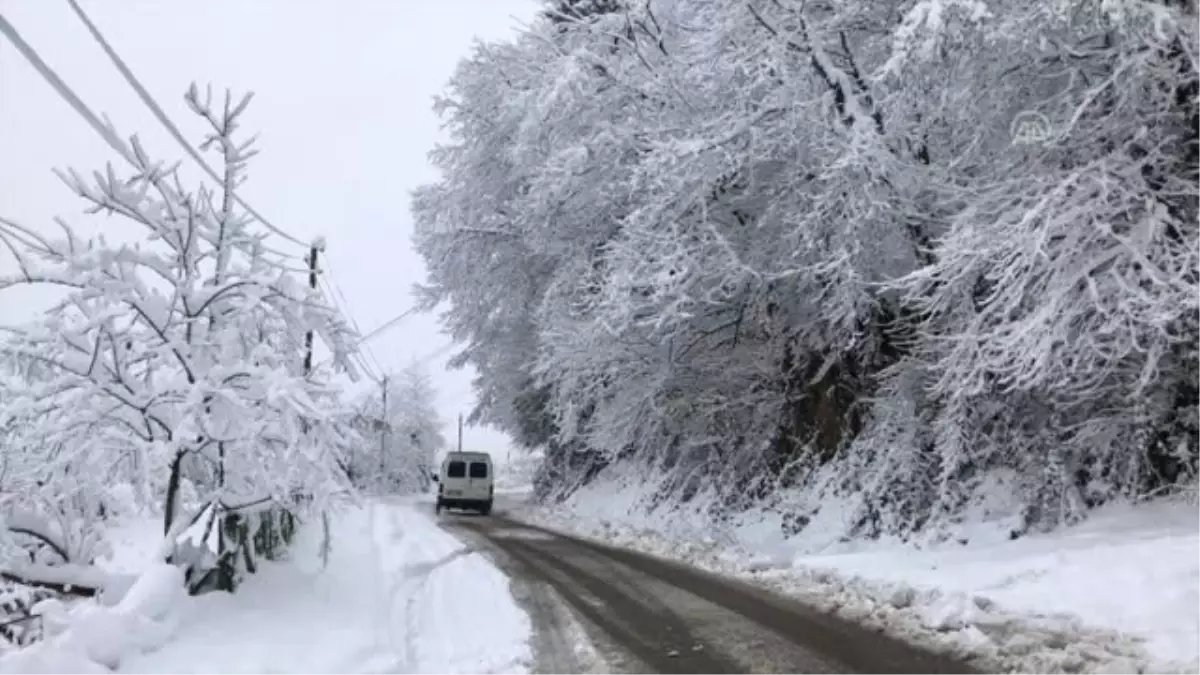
(646, 615)
(1116, 593)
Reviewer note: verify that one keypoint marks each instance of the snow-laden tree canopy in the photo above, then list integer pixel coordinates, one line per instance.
(780, 250)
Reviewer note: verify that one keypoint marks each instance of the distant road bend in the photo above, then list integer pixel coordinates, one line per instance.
(643, 614)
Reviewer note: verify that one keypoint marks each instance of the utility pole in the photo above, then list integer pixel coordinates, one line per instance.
(460, 432)
(386, 426)
(317, 245)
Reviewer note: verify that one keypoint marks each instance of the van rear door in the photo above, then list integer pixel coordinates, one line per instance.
(478, 479)
(456, 471)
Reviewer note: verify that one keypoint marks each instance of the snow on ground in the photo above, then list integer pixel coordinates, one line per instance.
(1117, 593)
(399, 595)
(1135, 570)
(464, 618)
(132, 541)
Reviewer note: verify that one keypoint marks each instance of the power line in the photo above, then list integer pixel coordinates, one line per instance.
(166, 122)
(436, 353)
(339, 296)
(103, 128)
(367, 356)
(419, 361)
(374, 359)
(107, 132)
(372, 369)
(343, 304)
(362, 365)
(364, 357)
(386, 325)
(359, 353)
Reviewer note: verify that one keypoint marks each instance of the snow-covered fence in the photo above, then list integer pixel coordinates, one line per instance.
(222, 543)
(19, 626)
(22, 631)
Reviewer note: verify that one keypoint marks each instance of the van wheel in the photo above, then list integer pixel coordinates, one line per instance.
(486, 509)
(438, 509)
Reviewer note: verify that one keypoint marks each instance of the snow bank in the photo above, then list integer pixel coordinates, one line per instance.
(91, 638)
(398, 595)
(462, 615)
(1118, 593)
(47, 661)
(292, 616)
(1135, 570)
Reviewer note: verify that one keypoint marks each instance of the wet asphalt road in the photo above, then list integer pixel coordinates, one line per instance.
(643, 614)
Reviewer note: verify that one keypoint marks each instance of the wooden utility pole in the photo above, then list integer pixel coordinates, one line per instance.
(385, 426)
(312, 283)
(460, 432)
(317, 245)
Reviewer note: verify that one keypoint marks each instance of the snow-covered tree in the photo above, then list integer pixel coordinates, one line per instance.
(401, 442)
(769, 249)
(176, 359)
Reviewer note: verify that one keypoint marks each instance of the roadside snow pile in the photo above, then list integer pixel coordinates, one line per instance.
(1118, 593)
(290, 617)
(398, 595)
(136, 609)
(132, 543)
(88, 637)
(1135, 570)
(462, 616)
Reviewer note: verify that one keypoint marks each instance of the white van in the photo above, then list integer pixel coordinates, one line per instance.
(466, 482)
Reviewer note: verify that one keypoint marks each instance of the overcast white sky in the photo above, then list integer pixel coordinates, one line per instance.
(343, 90)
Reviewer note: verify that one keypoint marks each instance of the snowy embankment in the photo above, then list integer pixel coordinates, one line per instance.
(1118, 593)
(398, 595)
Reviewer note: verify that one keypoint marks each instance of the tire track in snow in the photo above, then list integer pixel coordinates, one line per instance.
(408, 582)
(561, 642)
(411, 583)
(464, 616)
(637, 620)
(673, 618)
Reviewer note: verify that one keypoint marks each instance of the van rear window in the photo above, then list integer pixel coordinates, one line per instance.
(456, 470)
(478, 470)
